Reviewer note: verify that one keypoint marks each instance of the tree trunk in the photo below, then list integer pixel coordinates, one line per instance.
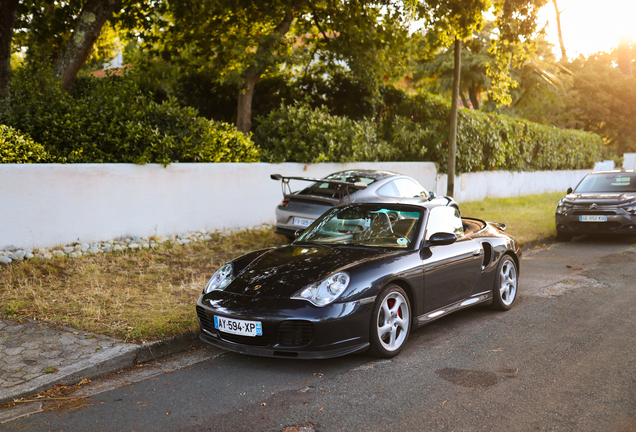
(452, 137)
(472, 94)
(7, 21)
(92, 18)
(253, 72)
(564, 56)
(244, 114)
(465, 103)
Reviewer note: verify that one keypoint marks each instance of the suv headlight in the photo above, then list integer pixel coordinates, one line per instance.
(220, 279)
(563, 208)
(325, 292)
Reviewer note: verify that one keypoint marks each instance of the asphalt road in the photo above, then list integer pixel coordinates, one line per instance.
(564, 358)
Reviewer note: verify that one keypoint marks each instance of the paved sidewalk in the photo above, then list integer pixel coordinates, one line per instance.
(34, 356)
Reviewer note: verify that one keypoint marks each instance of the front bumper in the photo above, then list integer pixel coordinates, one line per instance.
(291, 328)
(622, 223)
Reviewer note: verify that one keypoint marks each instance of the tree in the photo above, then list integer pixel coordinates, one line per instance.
(564, 56)
(516, 22)
(457, 20)
(8, 10)
(474, 67)
(64, 33)
(602, 99)
(246, 39)
(87, 28)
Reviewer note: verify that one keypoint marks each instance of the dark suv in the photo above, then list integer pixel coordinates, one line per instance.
(603, 202)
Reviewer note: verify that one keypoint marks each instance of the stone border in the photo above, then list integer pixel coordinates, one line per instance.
(77, 250)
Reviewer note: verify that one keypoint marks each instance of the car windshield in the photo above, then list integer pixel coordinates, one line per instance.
(375, 226)
(612, 182)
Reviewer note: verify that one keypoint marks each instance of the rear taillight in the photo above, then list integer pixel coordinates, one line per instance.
(284, 203)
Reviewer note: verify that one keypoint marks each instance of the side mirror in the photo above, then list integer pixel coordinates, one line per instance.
(569, 190)
(431, 195)
(298, 232)
(442, 238)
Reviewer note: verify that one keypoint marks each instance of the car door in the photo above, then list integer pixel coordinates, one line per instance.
(450, 271)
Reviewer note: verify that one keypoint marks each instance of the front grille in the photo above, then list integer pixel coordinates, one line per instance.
(204, 320)
(594, 212)
(295, 333)
(601, 226)
(246, 340)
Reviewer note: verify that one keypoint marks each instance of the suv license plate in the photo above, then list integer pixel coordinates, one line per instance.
(302, 222)
(238, 327)
(593, 218)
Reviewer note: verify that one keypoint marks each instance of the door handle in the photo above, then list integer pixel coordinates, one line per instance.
(478, 252)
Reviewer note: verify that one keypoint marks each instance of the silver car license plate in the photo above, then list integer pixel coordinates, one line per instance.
(593, 218)
(302, 222)
(238, 327)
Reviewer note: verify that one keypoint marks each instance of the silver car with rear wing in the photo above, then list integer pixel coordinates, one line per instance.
(299, 209)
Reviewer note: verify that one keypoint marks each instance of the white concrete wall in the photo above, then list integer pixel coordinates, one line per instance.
(629, 160)
(502, 184)
(44, 205)
(605, 165)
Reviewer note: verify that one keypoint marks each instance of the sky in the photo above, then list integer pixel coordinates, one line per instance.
(590, 26)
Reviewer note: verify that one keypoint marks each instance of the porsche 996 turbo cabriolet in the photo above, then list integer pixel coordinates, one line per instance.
(361, 277)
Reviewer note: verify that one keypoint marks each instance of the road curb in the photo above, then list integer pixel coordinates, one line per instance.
(110, 360)
(165, 347)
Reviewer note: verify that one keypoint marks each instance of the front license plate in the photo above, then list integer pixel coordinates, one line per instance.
(302, 222)
(238, 327)
(593, 218)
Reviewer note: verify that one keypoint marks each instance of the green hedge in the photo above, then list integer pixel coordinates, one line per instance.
(486, 141)
(109, 121)
(299, 133)
(16, 147)
(415, 128)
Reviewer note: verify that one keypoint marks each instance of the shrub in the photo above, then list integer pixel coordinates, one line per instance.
(16, 147)
(484, 141)
(298, 133)
(109, 120)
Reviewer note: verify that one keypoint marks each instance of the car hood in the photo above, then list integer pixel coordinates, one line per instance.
(281, 272)
(599, 198)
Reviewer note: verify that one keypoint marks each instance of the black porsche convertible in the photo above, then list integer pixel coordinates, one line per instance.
(361, 277)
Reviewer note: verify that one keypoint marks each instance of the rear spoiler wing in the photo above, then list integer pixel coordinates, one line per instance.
(345, 190)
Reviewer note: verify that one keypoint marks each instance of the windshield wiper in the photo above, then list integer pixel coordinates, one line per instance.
(307, 243)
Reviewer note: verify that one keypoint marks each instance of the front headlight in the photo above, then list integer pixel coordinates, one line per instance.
(325, 292)
(563, 208)
(221, 279)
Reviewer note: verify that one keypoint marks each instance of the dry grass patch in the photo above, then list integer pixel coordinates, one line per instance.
(528, 218)
(132, 295)
(150, 294)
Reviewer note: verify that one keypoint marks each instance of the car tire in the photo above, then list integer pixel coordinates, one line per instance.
(390, 323)
(566, 237)
(504, 291)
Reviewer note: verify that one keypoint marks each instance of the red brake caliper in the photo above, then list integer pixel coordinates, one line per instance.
(391, 303)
